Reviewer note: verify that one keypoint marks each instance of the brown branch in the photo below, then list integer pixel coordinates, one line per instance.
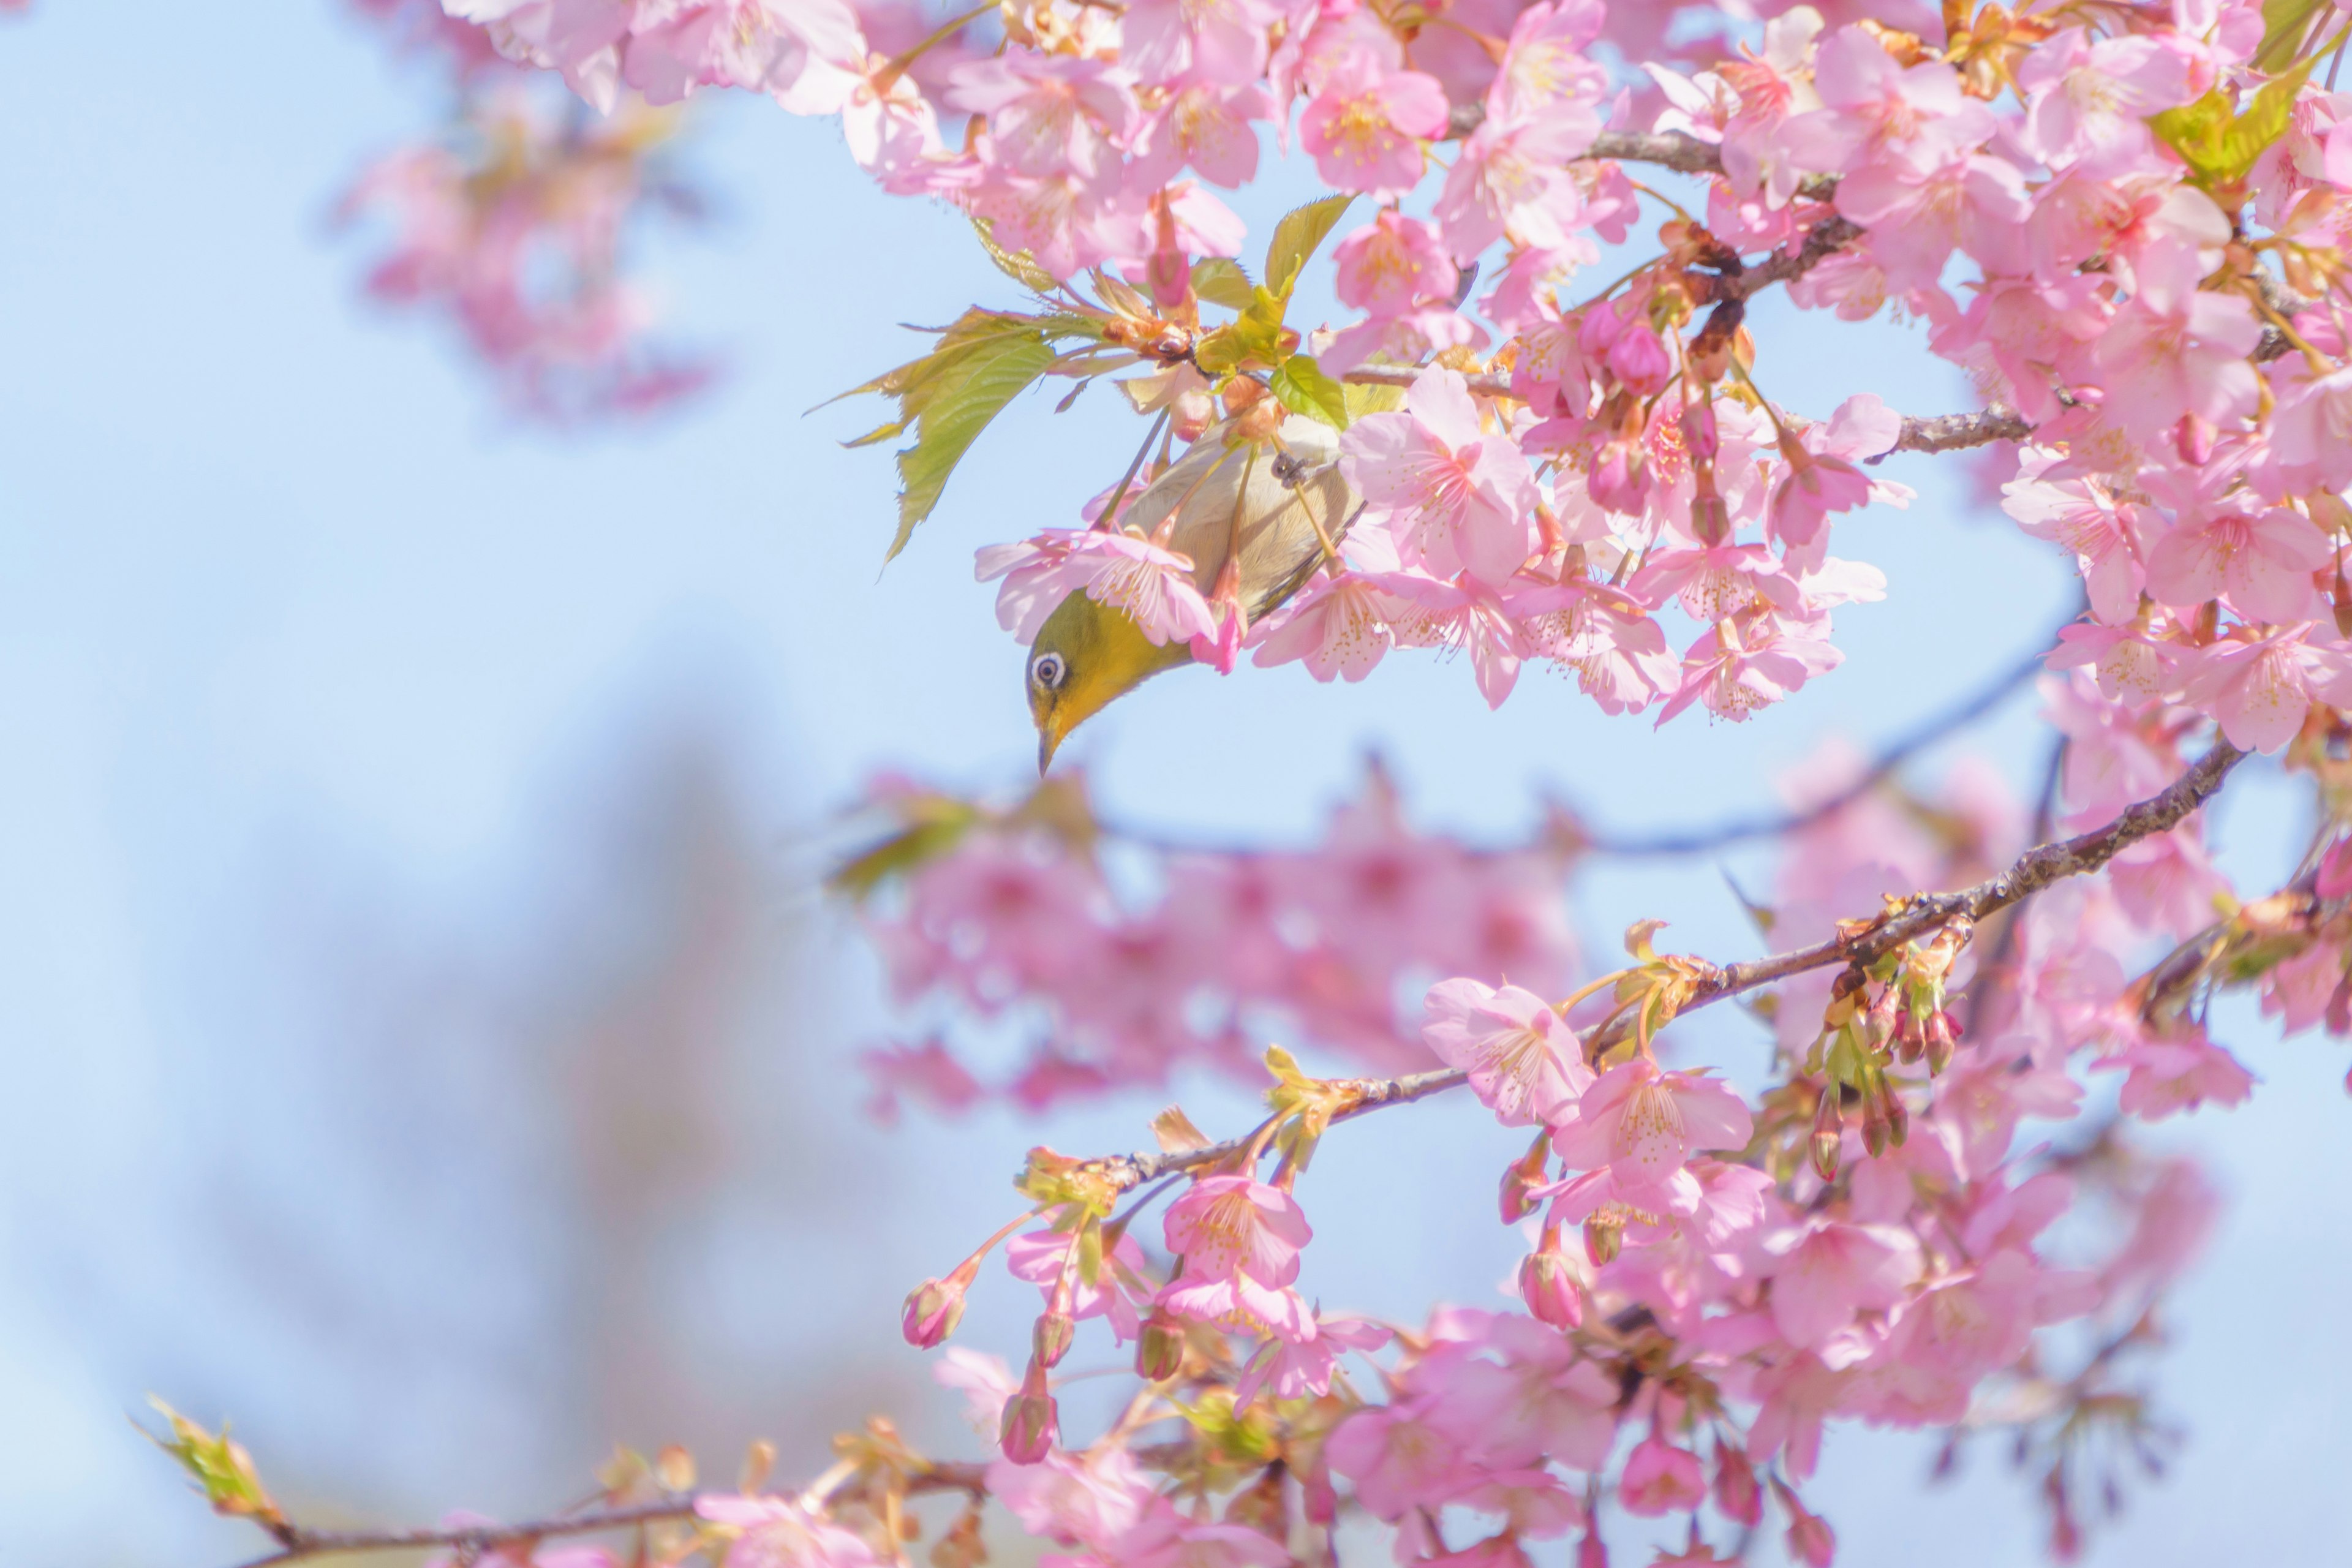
(1821, 241)
(1127, 1172)
(2037, 868)
(1934, 433)
(475, 1539)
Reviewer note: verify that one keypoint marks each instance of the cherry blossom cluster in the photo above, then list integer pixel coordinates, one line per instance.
(1130, 963)
(512, 222)
(1714, 1277)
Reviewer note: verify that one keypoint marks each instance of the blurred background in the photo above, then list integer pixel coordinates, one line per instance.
(425, 1042)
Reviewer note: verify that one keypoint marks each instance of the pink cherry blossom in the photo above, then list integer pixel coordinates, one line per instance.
(2262, 562)
(1661, 1478)
(2260, 687)
(1228, 1224)
(1392, 265)
(1644, 1123)
(1365, 127)
(2175, 350)
(1456, 496)
(1823, 1273)
(1524, 1063)
(1749, 662)
(1220, 41)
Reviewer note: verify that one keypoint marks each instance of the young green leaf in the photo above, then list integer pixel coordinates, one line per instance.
(1303, 388)
(1295, 238)
(948, 396)
(1223, 282)
(2286, 27)
(1017, 265)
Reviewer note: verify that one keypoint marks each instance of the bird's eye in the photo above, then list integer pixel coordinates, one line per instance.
(1047, 670)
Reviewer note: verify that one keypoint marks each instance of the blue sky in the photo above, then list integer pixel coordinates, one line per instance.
(297, 628)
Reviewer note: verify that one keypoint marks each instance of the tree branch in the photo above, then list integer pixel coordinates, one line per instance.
(300, 1543)
(1934, 433)
(2037, 868)
(1741, 829)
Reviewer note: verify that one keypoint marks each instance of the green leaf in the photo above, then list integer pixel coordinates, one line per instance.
(1363, 400)
(1295, 237)
(2251, 135)
(1254, 334)
(1223, 282)
(219, 1466)
(947, 396)
(2220, 146)
(939, 826)
(2286, 27)
(1017, 265)
(1303, 388)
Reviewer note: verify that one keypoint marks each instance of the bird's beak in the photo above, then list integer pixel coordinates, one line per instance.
(1047, 739)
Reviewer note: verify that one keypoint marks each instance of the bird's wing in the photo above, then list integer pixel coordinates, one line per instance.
(1290, 488)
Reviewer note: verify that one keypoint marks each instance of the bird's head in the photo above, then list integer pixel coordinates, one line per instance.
(1085, 655)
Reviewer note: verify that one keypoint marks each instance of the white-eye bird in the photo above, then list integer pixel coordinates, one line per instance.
(1269, 505)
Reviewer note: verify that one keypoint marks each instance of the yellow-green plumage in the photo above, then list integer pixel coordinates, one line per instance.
(1089, 654)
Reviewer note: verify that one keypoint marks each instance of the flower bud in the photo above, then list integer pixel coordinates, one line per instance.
(1591, 1553)
(1898, 1119)
(1031, 1420)
(1517, 1198)
(1050, 1341)
(1736, 1495)
(1942, 1034)
(1160, 1349)
(1603, 1239)
(1549, 1287)
(1875, 1129)
(1811, 1541)
(1878, 1024)
(1320, 1498)
(932, 1311)
(1829, 1133)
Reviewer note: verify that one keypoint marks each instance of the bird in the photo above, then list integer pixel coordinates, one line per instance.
(1293, 498)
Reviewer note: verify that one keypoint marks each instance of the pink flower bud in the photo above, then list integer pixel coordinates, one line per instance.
(1829, 1133)
(1811, 1541)
(1736, 1491)
(1320, 1498)
(1943, 1032)
(1050, 1341)
(1591, 1553)
(1160, 1349)
(2335, 878)
(1700, 437)
(1603, 1241)
(1520, 1181)
(1031, 1420)
(933, 1309)
(1549, 1288)
(1639, 360)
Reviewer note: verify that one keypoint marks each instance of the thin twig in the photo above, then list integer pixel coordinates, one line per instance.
(1741, 829)
(479, 1538)
(2037, 868)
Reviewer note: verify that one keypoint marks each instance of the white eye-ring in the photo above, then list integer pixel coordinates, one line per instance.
(1048, 671)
